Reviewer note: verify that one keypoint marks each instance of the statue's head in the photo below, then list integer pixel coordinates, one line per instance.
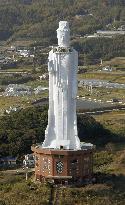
(63, 34)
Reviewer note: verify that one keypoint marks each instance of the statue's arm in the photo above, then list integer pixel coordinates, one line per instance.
(75, 69)
(50, 62)
(50, 66)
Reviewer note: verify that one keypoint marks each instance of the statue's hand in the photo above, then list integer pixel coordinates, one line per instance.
(50, 66)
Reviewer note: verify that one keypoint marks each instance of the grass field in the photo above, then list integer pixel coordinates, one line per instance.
(104, 94)
(20, 101)
(112, 77)
(113, 121)
(36, 83)
(23, 101)
(118, 74)
(97, 93)
(15, 191)
(19, 69)
(118, 62)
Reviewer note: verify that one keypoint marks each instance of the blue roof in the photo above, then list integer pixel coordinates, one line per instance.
(8, 158)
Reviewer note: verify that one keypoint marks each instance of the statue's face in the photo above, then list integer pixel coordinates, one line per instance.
(63, 38)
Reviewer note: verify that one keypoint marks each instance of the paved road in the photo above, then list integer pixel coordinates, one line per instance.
(14, 72)
(122, 73)
(98, 112)
(85, 104)
(101, 83)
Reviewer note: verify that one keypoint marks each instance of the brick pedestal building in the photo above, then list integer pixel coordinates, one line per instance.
(60, 157)
(63, 166)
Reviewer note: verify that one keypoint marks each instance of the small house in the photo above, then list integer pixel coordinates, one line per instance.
(29, 160)
(107, 69)
(8, 161)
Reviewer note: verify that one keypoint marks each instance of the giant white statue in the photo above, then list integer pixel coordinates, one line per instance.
(61, 131)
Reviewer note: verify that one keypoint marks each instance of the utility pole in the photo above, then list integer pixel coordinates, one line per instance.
(26, 167)
(26, 173)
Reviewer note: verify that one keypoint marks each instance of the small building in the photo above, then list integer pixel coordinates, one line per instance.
(27, 2)
(45, 76)
(107, 68)
(107, 33)
(8, 161)
(12, 109)
(17, 90)
(24, 53)
(11, 49)
(40, 89)
(110, 33)
(29, 160)
(64, 166)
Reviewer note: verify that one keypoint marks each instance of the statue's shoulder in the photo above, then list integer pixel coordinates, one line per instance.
(76, 52)
(51, 52)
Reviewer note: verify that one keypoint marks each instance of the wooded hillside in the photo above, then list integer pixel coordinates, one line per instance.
(18, 131)
(39, 18)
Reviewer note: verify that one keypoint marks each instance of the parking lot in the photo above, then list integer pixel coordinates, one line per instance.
(100, 83)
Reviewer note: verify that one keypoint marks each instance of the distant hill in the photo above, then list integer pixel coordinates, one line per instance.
(38, 20)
